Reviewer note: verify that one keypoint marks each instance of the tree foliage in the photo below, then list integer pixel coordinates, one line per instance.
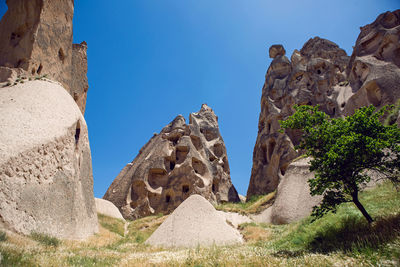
(344, 150)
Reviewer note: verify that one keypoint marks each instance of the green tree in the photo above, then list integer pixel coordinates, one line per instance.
(343, 150)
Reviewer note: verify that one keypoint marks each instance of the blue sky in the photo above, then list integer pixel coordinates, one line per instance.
(152, 60)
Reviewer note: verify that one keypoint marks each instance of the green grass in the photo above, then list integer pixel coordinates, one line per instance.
(255, 205)
(3, 236)
(347, 231)
(83, 261)
(341, 239)
(112, 224)
(45, 239)
(11, 257)
(141, 229)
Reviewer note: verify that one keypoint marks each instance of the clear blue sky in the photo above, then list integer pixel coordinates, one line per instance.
(152, 60)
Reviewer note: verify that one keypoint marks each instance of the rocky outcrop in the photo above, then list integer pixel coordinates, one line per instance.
(182, 160)
(374, 67)
(79, 85)
(195, 223)
(46, 182)
(36, 36)
(321, 73)
(293, 200)
(315, 75)
(107, 208)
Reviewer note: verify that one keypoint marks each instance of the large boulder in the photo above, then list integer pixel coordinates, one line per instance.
(194, 223)
(36, 36)
(315, 75)
(182, 160)
(46, 182)
(293, 200)
(107, 208)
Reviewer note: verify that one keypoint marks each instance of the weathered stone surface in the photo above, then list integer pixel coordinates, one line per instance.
(195, 223)
(80, 84)
(36, 36)
(320, 73)
(315, 75)
(374, 68)
(293, 200)
(46, 182)
(107, 208)
(182, 160)
(276, 50)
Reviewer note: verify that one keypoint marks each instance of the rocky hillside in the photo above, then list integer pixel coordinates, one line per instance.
(322, 74)
(182, 160)
(46, 179)
(36, 40)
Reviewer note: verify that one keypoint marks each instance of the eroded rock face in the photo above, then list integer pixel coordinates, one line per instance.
(293, 201)
(315, 75)
(79, 85)
(374, 68)
(184, 159)
(321, 73)
(46, 181)
(36, 36)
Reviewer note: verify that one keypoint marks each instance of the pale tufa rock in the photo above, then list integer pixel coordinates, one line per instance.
(46, 181)
(182, 160)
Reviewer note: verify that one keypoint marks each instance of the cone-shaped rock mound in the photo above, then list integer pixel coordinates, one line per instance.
(195, 222)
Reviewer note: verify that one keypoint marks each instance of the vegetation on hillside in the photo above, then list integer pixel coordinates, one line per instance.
(342, 152)
(341, 239)
(255, 205)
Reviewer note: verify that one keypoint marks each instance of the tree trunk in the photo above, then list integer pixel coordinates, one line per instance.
(361, 208)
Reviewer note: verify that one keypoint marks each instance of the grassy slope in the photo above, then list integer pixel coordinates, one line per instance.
(335, 240)
(255, 205)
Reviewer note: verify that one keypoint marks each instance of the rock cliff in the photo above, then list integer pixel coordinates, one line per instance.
(36, 37)
(46, 180)
(374, 67)
(322, 74)
(314, 75)
(182, 160)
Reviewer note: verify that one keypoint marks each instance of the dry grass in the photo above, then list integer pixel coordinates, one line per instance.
(253, 206)
(336, 240)
(253, 232)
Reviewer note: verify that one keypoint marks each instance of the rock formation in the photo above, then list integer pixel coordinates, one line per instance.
(321, 73)
(107, 208)
(315, 75)
(182, 160)
(194, 223)
(46, 182)
(293, 200)
(374, 67)
(36, 36)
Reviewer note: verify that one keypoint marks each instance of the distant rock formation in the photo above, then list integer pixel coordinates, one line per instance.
(46, 181)
(182, 160)
(321, 73)
(36, 36)
(374, 67)
(195, 223)
(315, 75)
